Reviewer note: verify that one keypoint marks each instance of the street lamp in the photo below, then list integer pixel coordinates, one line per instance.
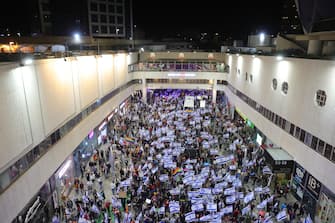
(117, 31)
(77, 38)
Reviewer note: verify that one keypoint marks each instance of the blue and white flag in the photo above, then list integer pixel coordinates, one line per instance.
(308, 219)
(249, 197)
(267, 170)
(246, 210)
(227, 209)
(211, 207)
(281, 215)
(229, 191)
(190, 217)
(197, 207)
(268, 220)
(230, 199)
(161, 210)
(164, 178)
(205, 191)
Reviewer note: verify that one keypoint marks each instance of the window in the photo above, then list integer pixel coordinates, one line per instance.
(103, 29)
(45, 6)
(328, 151)
(274, 84)
(283, 124)
(46, 18)
(112, 19)
(302, 135)
(333, 156)
(292, 129)
(95, 29)
(111, 8)
(94, 7)
(112, 29)
(297, 132)
(308, 139)
(103, 18)
(321, 146)
(314, 142)
(119, 10)
(284, 88)
(102, 8)
(120, 30)
(320, 98)
(287, 126)
(94, 18)
(119, 20)
(250, 78)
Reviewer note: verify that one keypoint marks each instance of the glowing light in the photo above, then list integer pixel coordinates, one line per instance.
(64, 168)
(261, 37)
(279, 57)
(77, 38)
(28, 61)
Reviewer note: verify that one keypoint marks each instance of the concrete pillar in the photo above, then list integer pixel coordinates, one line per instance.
(328, 48)
(144, 90)
(214, 91)
(314, 47)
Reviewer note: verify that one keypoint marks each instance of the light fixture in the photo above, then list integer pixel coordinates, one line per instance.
(77, 38)
(26, 61)
(279, 57)
(261, 37)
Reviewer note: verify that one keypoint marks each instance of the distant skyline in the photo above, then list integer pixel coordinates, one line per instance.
(236, 18)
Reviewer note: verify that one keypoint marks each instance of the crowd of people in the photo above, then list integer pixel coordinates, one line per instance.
(167, 163)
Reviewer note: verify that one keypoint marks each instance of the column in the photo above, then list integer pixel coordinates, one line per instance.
(214, 91)
(314, 47)
(144, 90)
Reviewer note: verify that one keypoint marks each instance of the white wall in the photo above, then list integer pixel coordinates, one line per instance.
(15, 134)
(304, 78)
(37, 99)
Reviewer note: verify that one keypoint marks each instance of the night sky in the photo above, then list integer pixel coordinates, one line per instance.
(236, 18)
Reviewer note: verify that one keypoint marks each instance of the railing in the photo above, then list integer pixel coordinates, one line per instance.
(204, 66)
(13, 172)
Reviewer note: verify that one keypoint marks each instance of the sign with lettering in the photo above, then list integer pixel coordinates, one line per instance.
(313, 185)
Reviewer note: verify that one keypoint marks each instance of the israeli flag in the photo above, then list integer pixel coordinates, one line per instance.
(190, 217)
(308, 219)
(206, 218)
(246, 210)
(266, 170)
(281, 215)
(249, 197)
(205, 191)
(164, 178)
(227, 209)
(229, 191)
(230, 199)
(268, 220)
(161, 210)
(197, 207)
(211, 207)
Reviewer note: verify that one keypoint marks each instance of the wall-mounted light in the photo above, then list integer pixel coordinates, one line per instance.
(26, 61)
(279, 57)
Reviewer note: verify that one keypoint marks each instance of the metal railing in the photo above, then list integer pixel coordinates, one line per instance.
(204, 66)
